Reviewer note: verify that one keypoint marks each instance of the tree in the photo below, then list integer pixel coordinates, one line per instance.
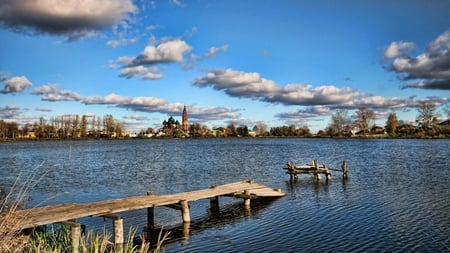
(260, 129)
(427, 117)
(392, 123)
(339, 123)
(242, 130)
(365, 119)
(76, 126)
(84, 126)
(108, 125)
(231, 129)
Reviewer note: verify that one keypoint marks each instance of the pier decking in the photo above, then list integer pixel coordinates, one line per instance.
(315, 169)
(68, 213)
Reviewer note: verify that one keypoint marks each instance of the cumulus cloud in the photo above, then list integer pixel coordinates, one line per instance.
(146, 73)
(307, 112)
(170, 51)
(121, 42)
(430, 69)
(74, 18)
(318, 100)
(213, 51)
(52, 93)
(398, 48)
(153, 104)
(238, 83)
(144, 65)
(252, 85)
(15, 84)
(9, 112)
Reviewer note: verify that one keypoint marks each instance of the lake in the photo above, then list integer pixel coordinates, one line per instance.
(397, 197)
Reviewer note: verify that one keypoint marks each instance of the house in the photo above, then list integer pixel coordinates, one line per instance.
(445, 124)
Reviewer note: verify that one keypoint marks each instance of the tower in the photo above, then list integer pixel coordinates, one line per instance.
(184, 121)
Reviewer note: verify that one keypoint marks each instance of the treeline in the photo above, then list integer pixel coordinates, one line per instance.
(426, 124)
(64, 127)
(231, 130)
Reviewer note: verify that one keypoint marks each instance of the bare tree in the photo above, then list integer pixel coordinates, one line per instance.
(365, 119)
(339, 122)
(427, 117)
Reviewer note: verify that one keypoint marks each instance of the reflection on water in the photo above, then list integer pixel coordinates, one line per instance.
(396, 197)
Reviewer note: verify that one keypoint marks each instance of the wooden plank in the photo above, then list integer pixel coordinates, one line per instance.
(52, 214)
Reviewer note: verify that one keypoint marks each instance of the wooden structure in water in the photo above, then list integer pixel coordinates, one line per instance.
(68, 213)
(315, 169)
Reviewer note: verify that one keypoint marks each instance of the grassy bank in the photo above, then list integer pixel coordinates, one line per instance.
(56, 239)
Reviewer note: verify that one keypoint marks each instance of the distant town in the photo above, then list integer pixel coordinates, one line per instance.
(341, 125)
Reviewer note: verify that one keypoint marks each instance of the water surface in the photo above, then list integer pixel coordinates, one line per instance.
(396, 199)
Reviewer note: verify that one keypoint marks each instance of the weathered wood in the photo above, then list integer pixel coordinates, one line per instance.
(118, 232)
(314, 168)
(185, 211)
(344, 170)
(150, 216)
(33, 217)
(75, 235)
(247, 199)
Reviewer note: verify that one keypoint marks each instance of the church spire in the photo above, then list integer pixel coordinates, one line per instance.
(184, 122)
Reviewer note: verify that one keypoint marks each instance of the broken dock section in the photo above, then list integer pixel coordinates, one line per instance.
(315, 169)
(68, 213)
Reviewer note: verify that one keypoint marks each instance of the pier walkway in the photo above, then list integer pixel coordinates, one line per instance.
(68, 213)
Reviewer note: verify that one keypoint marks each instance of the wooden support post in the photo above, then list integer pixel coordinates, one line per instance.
(185, 211)
(150, 216)
(118, 230)
(186, 230)
(327, 173)
(214, 203)
(75, 234)
(247, 199)
(316, 171)
(344, 170)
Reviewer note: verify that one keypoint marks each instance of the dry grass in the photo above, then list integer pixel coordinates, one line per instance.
(12, 239)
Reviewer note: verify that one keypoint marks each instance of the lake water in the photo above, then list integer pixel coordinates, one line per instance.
(397, 197)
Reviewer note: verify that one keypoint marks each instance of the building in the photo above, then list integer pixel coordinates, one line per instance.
(184, 121)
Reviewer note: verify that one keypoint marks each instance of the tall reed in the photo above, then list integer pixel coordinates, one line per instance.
(58, 239)
(11, 237)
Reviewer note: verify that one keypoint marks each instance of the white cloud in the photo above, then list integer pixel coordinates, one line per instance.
(430, 69)
(213, 51)
(52, 93)
(9, 112)
(326, 97)
(74, 18)
(178, 3)
(398, 48)
(121, 42)
(170, 51)
(15, 84)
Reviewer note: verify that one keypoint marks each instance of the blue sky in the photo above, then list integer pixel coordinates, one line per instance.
(276, 62)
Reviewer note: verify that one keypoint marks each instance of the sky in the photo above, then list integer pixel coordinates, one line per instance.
(249, 62)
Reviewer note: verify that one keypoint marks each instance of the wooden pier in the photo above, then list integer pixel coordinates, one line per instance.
(68, 213)
(315, 169)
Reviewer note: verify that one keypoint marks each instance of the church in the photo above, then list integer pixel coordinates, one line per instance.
(172, 127)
